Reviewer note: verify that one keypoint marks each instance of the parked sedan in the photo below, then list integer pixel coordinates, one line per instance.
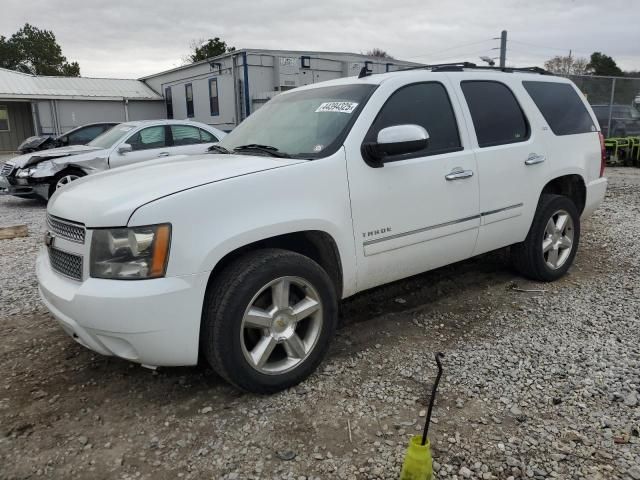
(77, 136)
(39, 174)
(625, 120)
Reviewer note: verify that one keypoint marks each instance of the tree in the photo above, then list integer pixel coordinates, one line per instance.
(203, 49)
(35, 51)
(601, 64)
(378, 52)
(566, 65)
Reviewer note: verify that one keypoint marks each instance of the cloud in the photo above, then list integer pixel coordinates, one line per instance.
(130, 39)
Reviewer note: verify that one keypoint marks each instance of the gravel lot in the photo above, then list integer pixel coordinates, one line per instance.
(542, 384)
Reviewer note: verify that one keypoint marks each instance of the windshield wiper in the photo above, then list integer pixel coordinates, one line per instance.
(218, 149)
(268, 149)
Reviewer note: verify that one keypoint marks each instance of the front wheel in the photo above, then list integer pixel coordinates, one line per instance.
(268, 320)
(551, 245)
(64, 178)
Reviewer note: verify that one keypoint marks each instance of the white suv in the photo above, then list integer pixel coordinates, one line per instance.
(326, 191)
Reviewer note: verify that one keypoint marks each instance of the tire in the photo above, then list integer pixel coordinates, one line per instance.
(230, 338)
(529, 257)
(71, 173)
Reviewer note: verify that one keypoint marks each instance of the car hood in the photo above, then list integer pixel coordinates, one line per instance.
(108, 199)
(51, 154)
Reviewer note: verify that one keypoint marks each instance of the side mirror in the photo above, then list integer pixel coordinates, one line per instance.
(396, 140)
(64, 141)
(124, 148)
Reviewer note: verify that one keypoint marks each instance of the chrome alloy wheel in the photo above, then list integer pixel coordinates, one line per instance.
(66, 180)
(281, 325)
(557, 241)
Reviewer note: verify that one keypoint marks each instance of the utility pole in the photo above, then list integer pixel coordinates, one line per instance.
(503, 49)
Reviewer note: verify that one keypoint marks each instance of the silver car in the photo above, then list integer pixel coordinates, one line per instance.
(39, 174)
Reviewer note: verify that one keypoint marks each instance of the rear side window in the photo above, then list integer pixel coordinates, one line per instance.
(497, 116)
(561, 107)
(424, 104)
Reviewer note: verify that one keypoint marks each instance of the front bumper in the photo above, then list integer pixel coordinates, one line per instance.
(24, 189)
(596, 192)
(152, 322)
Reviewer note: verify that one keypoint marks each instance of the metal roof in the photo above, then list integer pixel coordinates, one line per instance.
(24, 86)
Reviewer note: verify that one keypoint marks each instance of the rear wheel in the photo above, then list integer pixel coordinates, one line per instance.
(268, 320)
(552, 241)
(64, 178)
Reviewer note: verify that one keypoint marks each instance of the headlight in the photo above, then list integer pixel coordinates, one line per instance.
(25, 172)
(130, 253)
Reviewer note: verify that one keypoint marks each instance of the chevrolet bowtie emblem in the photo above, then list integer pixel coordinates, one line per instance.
(49, 238)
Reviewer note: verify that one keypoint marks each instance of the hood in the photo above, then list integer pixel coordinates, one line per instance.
(53, 153)
(108, 199)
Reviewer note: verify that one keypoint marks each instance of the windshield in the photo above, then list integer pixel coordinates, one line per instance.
(305, 124)
(626, 112)
(112, 136)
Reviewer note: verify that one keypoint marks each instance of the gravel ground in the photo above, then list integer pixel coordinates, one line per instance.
(538, 384)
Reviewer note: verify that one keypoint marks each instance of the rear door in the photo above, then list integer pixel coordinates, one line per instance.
(146, 144)
(510, 153)
(190, 140)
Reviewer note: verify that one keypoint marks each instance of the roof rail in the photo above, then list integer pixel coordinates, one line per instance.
(460, 66)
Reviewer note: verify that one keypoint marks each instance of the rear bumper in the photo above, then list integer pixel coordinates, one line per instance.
(596, 191)
(152, 322)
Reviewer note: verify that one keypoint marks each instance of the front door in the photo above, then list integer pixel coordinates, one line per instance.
(146, 144)
(419, 211)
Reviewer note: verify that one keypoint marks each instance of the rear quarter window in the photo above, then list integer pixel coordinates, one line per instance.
(561, 107)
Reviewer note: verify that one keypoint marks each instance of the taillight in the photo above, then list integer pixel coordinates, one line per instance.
(603, 154)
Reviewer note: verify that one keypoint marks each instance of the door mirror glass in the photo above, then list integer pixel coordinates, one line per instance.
(124, 148)
(396, 140)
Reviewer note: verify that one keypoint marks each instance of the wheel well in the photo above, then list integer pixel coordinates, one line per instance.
(315, 244)
(571, 186)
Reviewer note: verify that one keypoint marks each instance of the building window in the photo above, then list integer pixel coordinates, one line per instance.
(214, 105)
(188, 93)
(168, 101)
(305, 61)
(4, 118)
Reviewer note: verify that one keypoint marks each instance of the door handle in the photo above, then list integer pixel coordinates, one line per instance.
(164, 154)
(458, 174)
(534, 159)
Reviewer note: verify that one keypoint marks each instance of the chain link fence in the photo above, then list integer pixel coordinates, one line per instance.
(615, 101)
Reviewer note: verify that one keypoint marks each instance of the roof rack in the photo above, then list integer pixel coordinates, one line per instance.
(460, 66)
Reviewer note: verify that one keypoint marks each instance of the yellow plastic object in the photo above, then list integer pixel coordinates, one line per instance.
(417, 462)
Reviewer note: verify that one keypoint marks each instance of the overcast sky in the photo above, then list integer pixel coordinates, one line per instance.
(130, 39)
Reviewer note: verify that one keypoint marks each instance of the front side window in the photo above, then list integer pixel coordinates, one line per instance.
(148, 138)
(310, 123)
(496, 114)
(4, 118)
(561, 107)
(188, 93)
(168, 101)
(426, 105)
(214, 106)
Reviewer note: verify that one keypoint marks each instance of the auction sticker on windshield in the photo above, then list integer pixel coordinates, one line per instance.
(340, 107)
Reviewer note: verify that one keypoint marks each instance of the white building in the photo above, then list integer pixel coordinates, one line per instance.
(222, 91)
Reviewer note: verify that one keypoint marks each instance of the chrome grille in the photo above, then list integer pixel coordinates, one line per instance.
(67, 264)
(6, 169)
(73, 232)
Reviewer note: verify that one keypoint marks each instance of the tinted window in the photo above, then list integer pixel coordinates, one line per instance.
(188, 92)
(85, 135)
(424, 104)
(207, 137)
(561, 107)
(496, 114)
(213, 97)
(169, 102)
(185, 135)
(152, 137)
